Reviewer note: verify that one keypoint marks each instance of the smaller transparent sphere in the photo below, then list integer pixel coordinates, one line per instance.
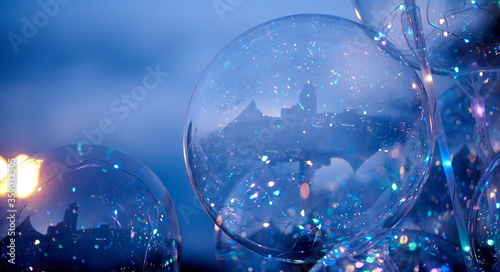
(484, 223)
(400, 250)
(88, 208)
(459, 35)
(306, 132)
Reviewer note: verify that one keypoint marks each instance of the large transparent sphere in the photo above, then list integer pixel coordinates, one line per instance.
(307, 132)
(92, 208)
(459, 34)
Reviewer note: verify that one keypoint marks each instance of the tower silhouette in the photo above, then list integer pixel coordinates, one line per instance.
(308, 98)
(71, 216)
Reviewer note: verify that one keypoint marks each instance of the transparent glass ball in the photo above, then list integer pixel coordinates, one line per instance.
(484, 223)
(402, 251)
(459, 35)
(91, 208)
(306, 132)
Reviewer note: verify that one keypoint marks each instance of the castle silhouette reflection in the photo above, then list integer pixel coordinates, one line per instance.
(303, 134)
(64, 248)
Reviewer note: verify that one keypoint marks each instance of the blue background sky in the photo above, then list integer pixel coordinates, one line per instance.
(65, 78)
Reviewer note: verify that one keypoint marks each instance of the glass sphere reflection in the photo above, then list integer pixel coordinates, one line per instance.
(401, 250)
(459, 35)
(484, 223)
(305, 132)
(93, 209)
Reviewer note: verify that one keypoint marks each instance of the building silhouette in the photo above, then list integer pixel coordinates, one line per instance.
(302, 132)
(64, 248)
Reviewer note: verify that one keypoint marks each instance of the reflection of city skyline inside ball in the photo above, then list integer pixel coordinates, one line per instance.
(306, 132)
(459, 35)
(95, 209)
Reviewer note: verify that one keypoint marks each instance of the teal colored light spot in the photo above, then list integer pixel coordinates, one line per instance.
(447, 163)
(73, 189)
(370, 259)
(394, 186)
(138, 219)
(104, 170)
(264, 158)
(96, 246)
(412, 246)
(429, 213)
(83, 227)
(490, 242)
(60, 246)
(276, 193)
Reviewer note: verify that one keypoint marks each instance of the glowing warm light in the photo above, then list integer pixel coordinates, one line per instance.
(446, 34)
(26, 176)
(342, 249)
(37, 242)
(304, 190)
(3, 168)
(218, 221)
(357, 14)
(429, 78)
(403, 239)
(441, 21)
(480, 111)
(265, 225)
(309, 163)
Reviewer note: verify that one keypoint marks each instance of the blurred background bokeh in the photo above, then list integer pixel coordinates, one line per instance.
(69, 71)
